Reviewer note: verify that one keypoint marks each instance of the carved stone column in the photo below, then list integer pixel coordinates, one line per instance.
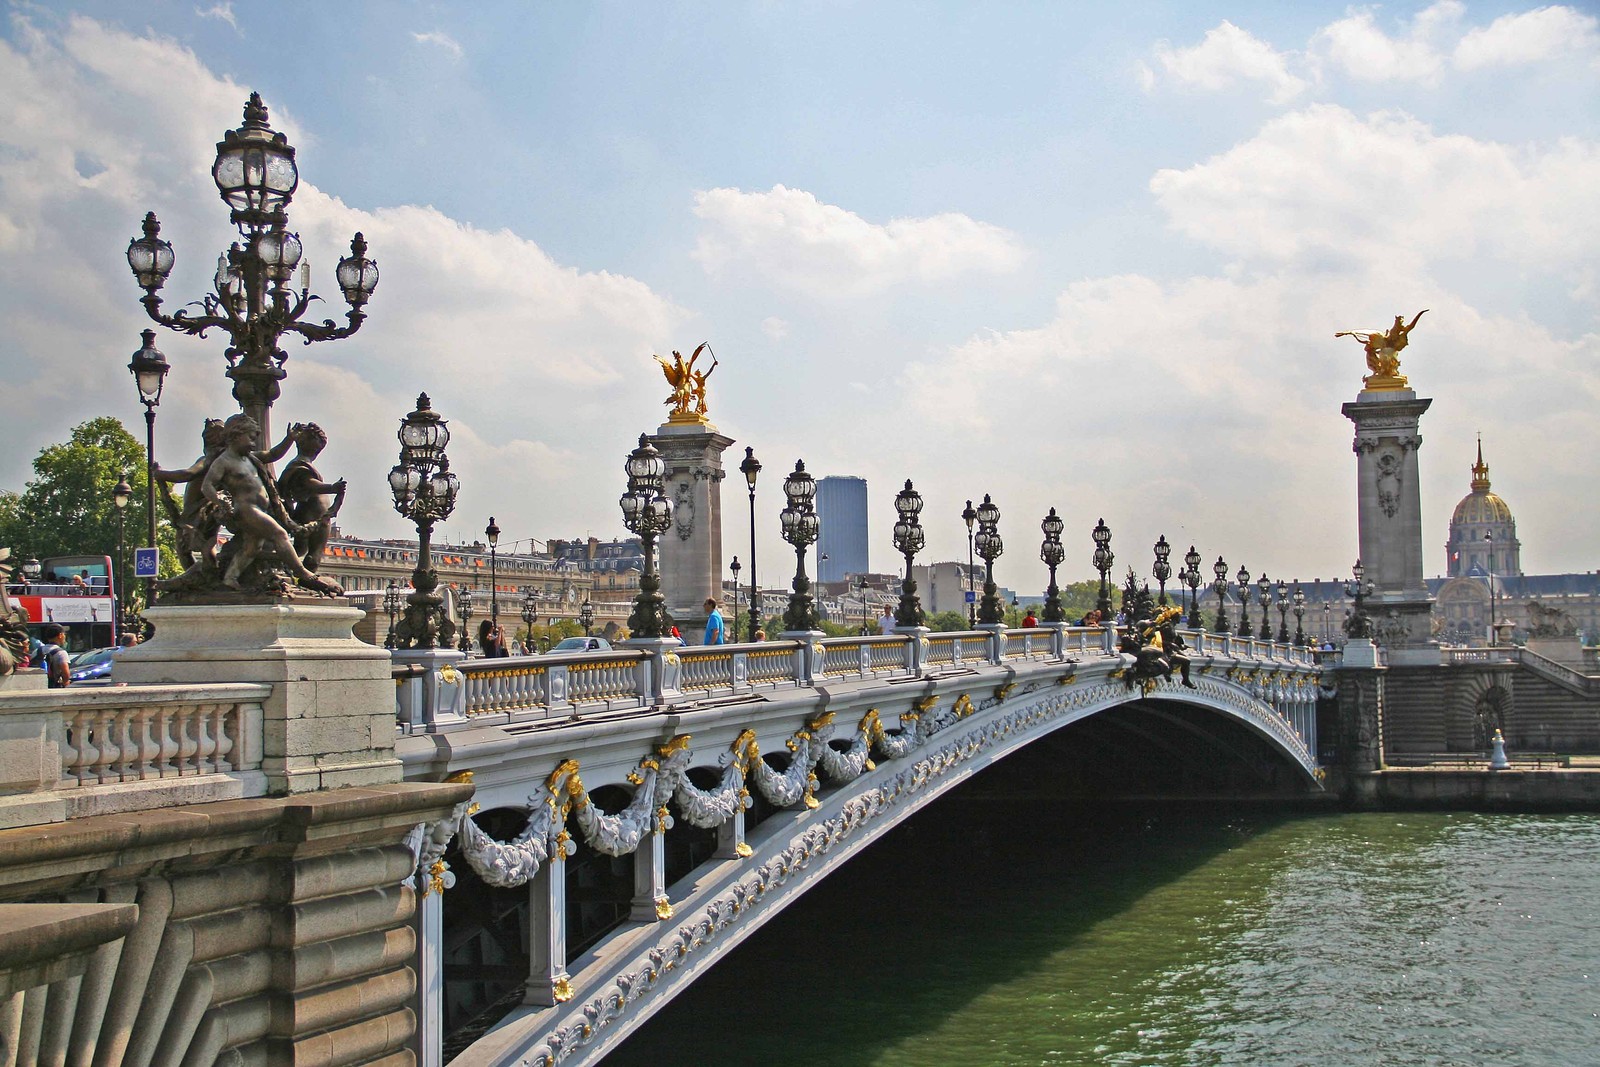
(1389, 518)
(691, 552)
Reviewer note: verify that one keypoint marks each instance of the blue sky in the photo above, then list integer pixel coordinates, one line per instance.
(1082, 256)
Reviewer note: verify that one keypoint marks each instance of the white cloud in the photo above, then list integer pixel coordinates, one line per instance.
(221, 11)
(794, 240)
(514, 347)
(1528, 37)
(775, 328)
(1358, 47)
(440, 39)
(1225, 56)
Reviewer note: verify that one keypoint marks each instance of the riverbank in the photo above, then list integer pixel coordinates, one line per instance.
(1549, 784)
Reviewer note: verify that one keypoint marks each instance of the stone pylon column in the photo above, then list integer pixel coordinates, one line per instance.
(691, 551)
(1389, 517)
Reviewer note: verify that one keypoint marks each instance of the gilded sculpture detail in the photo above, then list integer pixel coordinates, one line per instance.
(1383, 352)
(688, 397)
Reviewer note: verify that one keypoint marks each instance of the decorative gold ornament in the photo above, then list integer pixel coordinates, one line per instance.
(743, 851)
(436, 877)
(688, 397)
(459, 778)
(1004, 691)
(1383, 353)
(562, 990)
(927, 702)
(663, 908)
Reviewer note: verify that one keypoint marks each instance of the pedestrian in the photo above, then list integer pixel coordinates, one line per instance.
(676, 632)
(52, 657)
(1029, 620)
(886, 623)
(127, 639)
(761, 635)
(715, 632)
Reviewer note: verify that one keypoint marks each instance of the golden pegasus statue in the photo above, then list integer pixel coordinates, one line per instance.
(688, 397)
(1383, 352)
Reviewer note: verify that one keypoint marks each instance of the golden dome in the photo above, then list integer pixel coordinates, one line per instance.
(1480, 505)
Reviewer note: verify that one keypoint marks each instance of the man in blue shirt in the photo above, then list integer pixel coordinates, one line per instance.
(714, 629)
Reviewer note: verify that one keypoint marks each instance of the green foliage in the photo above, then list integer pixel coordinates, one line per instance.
(67, 508)
(948, 621)
(1078, 598)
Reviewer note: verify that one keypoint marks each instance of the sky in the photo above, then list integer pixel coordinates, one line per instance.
(1082, 256)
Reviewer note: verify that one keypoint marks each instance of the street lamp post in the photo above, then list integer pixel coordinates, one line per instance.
(800, 528)
(750, 467)
(1191, 578)
(391, 604)
(1103, 559)
(970, 516)
(1299, 599)
(1220, 587)
(586, 616)
(1358, 590)
(1283, 613)
(646, 512)
(1243, 578)
(735, 568)
(464, 609)
(863, 591)
(1327, 621)
(149, 368)
(121, 493)
(908, 541)
(989, 547)
(1051, 553)
(1264, 587)
(492, 532)
(530, 614)
(253, 300)
(424, 492)
(1162, 570)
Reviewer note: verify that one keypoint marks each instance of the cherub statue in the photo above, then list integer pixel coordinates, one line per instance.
(13, 624)
(1383, 348)
(310, 501)
(688, 397)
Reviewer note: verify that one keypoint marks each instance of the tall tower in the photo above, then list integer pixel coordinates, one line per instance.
(1387, 414)
(1483, 535)
(842, 510)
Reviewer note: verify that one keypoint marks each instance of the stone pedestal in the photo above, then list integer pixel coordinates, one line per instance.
(330, 720)
(1389, 517)
(691, 552)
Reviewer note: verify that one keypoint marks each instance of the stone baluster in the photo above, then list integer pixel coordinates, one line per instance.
(224, 729)
(168, 744)
(206, 744)
(548, 982)
(649, 874)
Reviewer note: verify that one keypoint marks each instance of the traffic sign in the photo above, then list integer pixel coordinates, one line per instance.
(146, 562)
(972, 596)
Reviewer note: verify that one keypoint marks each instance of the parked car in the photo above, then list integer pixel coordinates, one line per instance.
(582, 644)
(91, 666)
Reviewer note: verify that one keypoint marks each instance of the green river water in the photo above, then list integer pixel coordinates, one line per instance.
(1174, 935)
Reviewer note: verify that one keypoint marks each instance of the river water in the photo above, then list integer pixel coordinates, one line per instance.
(1172, 935)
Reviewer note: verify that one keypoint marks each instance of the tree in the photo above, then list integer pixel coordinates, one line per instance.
(67, 508)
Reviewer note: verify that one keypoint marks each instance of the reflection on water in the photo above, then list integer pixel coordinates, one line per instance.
(1170, 936)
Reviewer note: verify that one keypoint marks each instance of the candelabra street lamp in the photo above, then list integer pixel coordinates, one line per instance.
(862, 588)
(989, 547)
(149, 368)
(1283, 613)
(121, 493)
(424, 492)
(586, 617)
(530, 612)
(1162, 570)
(969, 516)
(647, 513)
(391, 605)
(464, 607)
(1103, 560)
(1243, 578)
(253, 299)
(1327, 621)
(1191, 578)
(750, 467)
(492, 532)
(1220, 587)
(1299, 599)
(735, 567)
(800, 528)
(908, 541)
(1359, 625)
(1264, 587)
(1051, 553)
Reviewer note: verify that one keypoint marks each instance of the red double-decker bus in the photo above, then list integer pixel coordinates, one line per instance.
(75, 591)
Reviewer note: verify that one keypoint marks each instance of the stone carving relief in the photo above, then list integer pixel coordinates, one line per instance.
(683, 510)
(1390, 463)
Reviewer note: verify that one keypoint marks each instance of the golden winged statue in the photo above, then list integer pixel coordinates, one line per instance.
(688, 397)
(1383, 352)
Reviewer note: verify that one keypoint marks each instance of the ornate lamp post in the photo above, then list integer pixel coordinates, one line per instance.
(970, 516)
(800, 529)
(149, 369)
(862, 588)
(1220, 587)
(253, 299)
(424, 492)
(908, 541)
(530, 611)
(735, 567)
(1103, 559)
(989, 547)
(1358, 590)
(1191, 578)
(120, 495)
(1327, 621)
(1264, 587)
(1051, 554)
(646, 512)
(492, 532)
(586, 616)
(1162, 570)
(750, 467)
(1299, 614)
(391, 604)
(1243, 578)
(1283, 612)
(464, 607)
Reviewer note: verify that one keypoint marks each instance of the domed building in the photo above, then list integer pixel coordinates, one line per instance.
(1483, 535)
